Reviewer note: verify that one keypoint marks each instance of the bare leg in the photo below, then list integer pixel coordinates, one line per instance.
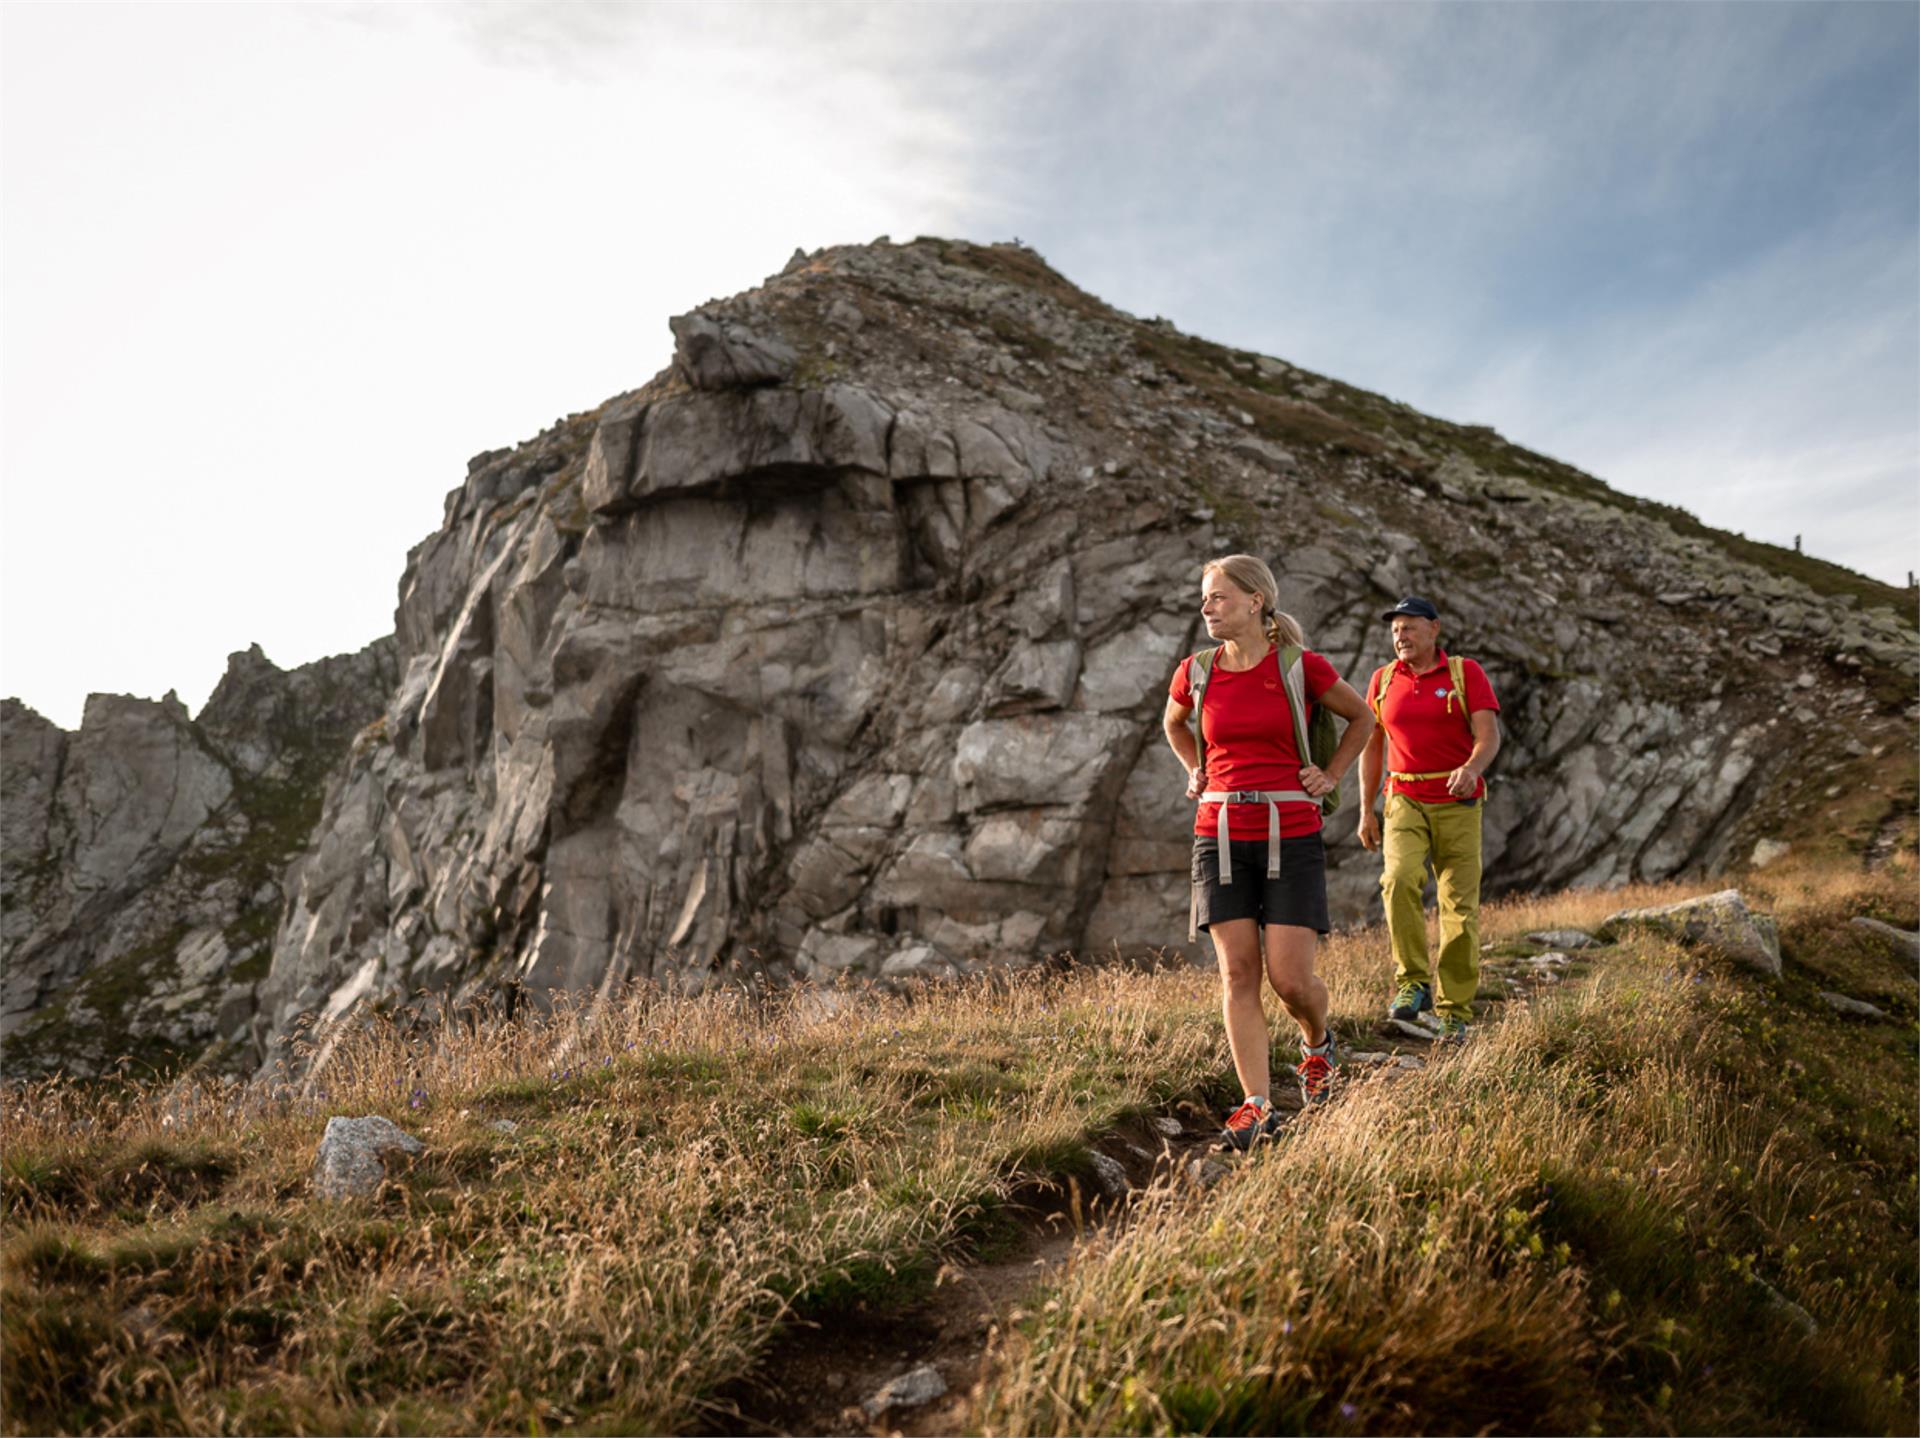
(1302, 992)
(1236, 943)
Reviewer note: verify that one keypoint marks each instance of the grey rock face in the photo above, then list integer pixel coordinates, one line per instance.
(715, 353)
(143, 857)
(352, 1158)
(1720, 923)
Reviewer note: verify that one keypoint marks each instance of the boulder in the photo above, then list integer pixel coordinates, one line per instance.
(352, 1158)
(1718, 923)
(716, 353)
(1906, 942)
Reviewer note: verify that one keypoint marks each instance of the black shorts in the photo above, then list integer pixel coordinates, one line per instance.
(1298, 896)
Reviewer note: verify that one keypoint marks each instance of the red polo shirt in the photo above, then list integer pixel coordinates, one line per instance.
(1249, 732)
(1425, 733)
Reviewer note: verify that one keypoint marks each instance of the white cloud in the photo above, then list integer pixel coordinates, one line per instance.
(271, 275)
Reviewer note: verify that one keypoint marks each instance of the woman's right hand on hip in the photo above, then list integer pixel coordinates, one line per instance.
(1196, 783)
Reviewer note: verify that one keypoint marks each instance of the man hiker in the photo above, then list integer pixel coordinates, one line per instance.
(1436, 736)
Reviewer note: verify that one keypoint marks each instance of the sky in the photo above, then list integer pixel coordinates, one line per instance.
(269, 275)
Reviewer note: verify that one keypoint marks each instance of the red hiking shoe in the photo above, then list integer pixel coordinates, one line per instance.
(1248, 1124)
(1316, 1071)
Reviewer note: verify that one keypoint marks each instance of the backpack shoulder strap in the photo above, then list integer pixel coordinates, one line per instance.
(1199, 671)
(1377, 690)
(1457, 673)
(1293, 680)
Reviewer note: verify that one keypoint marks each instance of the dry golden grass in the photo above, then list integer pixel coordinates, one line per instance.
(689, 1173)
(686, 1173)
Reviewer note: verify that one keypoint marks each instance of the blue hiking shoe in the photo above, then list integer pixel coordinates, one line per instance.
(1453, 1030)
(1411, 1000)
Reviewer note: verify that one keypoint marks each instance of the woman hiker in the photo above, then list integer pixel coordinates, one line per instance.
(1259, 900)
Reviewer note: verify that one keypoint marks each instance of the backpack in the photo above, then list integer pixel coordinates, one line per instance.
(1316, 738)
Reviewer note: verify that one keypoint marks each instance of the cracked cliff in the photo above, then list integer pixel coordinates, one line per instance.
(839, 648)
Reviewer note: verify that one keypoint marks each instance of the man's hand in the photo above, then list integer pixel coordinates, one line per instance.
(1196, 783)
(1369, 828)
(1463, 783)
(1315, 780)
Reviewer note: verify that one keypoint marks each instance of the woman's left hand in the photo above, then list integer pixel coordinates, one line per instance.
(1316, 780)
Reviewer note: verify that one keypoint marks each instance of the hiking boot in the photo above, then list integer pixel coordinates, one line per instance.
(1248, 1124)
(1410, 1000)
(1453, 1030)
(1315, 1071)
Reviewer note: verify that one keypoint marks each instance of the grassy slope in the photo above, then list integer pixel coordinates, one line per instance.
(691, 1172)
(1574, 1228)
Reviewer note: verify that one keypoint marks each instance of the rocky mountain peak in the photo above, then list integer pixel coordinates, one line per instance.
(839, 648)
(143, 855)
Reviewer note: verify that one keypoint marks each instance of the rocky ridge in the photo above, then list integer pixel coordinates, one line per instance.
(839, 649)
(144, 853)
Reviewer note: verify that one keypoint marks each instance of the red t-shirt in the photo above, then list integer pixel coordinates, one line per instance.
(1249, 732)
(1424, 734)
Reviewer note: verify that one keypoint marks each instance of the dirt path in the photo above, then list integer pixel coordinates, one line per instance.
(814, 1378)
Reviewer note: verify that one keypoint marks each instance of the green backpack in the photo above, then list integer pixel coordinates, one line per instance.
(1317, 738)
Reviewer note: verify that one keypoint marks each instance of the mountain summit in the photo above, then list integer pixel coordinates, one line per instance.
(839, 648)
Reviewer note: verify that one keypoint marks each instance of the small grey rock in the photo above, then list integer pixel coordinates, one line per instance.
(1563, 939)
(909, 1390)
(504, 1125)
(1853, 1008)
(1366, 1058)
(1783, 1307)
(1170, 1127)
(1768, 851)
(351, 1159)
(1113, 1178)
(1205, 1172)
(1411, 1030)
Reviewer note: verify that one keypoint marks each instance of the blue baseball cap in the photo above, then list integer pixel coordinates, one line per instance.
(1414, 607)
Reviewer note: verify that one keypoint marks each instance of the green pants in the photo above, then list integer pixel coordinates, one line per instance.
(1449, 835)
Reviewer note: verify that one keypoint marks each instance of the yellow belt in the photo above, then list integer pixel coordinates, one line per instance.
(1440, 775)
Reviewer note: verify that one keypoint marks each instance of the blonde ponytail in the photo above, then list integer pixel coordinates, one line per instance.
(1252, 576)
(1283, 629)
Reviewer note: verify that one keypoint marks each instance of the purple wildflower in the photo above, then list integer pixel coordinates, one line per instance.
(1349, 1412)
